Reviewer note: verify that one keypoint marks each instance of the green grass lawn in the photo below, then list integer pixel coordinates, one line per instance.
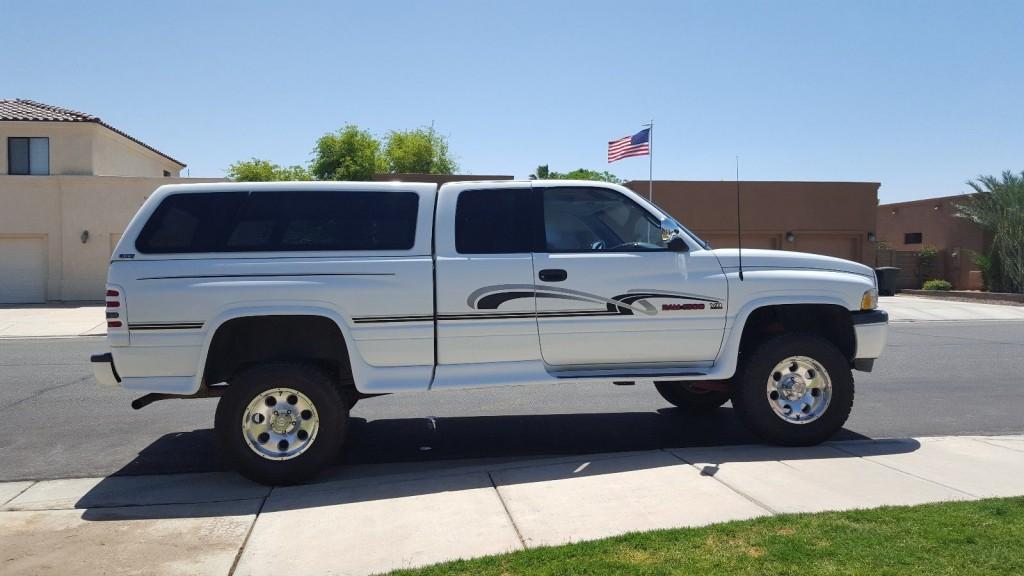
(983, 537)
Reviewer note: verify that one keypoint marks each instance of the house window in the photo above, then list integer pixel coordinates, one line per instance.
(912, 238)
(27, 156)
(167, 173)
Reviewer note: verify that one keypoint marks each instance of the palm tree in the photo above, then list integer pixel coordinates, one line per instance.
(541, 173)
(998, 207)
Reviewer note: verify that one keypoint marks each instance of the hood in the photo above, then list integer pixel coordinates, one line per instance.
(784, 259)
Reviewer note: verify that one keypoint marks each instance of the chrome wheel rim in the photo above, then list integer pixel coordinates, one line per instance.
(280, 424)
(799, 390)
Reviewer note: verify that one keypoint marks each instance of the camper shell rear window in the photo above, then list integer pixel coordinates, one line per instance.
(281, 221)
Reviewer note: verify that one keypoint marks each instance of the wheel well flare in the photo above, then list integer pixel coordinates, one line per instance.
(243, 342)
(828, 321)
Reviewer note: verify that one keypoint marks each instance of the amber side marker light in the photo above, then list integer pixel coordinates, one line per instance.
(869, 301)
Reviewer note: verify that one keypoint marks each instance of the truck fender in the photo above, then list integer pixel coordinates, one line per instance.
(355, 361)
(728, 354)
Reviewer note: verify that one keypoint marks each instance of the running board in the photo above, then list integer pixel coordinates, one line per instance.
(623, 376)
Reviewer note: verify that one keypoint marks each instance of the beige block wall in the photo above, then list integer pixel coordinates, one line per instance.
(60, 208)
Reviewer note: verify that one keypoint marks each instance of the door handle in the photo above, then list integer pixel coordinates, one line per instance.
(553, 275)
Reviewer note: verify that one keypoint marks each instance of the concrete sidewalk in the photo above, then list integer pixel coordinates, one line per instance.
(371, 519)
(52, 320)
(87, 319)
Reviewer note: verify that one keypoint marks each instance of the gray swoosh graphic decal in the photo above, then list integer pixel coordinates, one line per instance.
(490, 297)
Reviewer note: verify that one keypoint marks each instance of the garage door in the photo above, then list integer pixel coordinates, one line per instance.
(750, 240)
(837, 245)
(22, 270)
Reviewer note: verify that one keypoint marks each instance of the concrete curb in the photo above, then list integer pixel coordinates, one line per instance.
(389, 517)
(967, 295)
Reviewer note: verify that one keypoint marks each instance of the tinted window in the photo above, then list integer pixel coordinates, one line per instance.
(28, 156)
(494, 221)
(597, 220)
(39, 156)
(281, 222)
(190, 223)
(17, 156)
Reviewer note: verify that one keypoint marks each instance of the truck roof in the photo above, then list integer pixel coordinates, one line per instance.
(357, 185)
(289, 186)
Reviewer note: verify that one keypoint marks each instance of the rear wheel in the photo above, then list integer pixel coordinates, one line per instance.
(795, 390)
(691, 396)
(281, 423)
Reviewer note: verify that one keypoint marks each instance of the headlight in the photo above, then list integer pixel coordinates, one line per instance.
(869, 301)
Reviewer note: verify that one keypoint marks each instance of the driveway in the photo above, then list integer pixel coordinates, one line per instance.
(918, 309)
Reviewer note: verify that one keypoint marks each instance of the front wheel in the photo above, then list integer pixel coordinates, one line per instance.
(794, 390)
(281, 423)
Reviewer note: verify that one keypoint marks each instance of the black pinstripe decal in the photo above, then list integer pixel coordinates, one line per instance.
(166, 326)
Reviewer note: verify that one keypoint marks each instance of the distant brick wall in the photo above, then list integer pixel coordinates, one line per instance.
(830, 218)
(910, 276)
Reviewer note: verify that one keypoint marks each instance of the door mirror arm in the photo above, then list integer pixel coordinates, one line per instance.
(676, 244)
(673, 237)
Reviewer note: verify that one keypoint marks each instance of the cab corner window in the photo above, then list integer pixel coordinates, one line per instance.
(597, 220)
(494, 221)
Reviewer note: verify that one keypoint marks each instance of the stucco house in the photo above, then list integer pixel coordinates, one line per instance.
(69, 184)
(907, 227)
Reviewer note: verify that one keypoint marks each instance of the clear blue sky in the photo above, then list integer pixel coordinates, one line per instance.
(919, 96)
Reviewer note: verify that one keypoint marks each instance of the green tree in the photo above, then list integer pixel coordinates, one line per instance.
(541, 173)
(585, 174)
(257, 170)
(420, 151)
(997, 206)
(544, 173)
(348, 154)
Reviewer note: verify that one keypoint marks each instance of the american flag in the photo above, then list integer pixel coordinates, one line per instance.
(638, 144)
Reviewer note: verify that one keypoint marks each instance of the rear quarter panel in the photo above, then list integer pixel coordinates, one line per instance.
(174, 303)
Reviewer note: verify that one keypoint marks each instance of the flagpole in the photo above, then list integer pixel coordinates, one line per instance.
(650, 164)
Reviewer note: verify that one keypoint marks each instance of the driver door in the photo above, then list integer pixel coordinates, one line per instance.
(611, 294)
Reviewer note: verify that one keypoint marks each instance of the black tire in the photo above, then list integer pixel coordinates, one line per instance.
(309, 381)
(690, 397)
(754, 406)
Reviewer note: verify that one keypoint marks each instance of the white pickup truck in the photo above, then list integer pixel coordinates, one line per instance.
(291, 301)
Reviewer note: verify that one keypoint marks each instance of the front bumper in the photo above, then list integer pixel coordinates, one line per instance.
(871, 328)
(103, 369)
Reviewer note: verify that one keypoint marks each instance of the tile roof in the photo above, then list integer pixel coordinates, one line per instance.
(21, 110)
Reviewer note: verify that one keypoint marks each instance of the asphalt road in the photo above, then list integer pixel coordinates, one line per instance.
(936, 378)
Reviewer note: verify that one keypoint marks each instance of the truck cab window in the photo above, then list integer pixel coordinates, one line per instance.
(494, 221)
(597, 220)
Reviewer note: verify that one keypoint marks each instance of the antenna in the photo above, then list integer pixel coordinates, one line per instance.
(739, 221)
